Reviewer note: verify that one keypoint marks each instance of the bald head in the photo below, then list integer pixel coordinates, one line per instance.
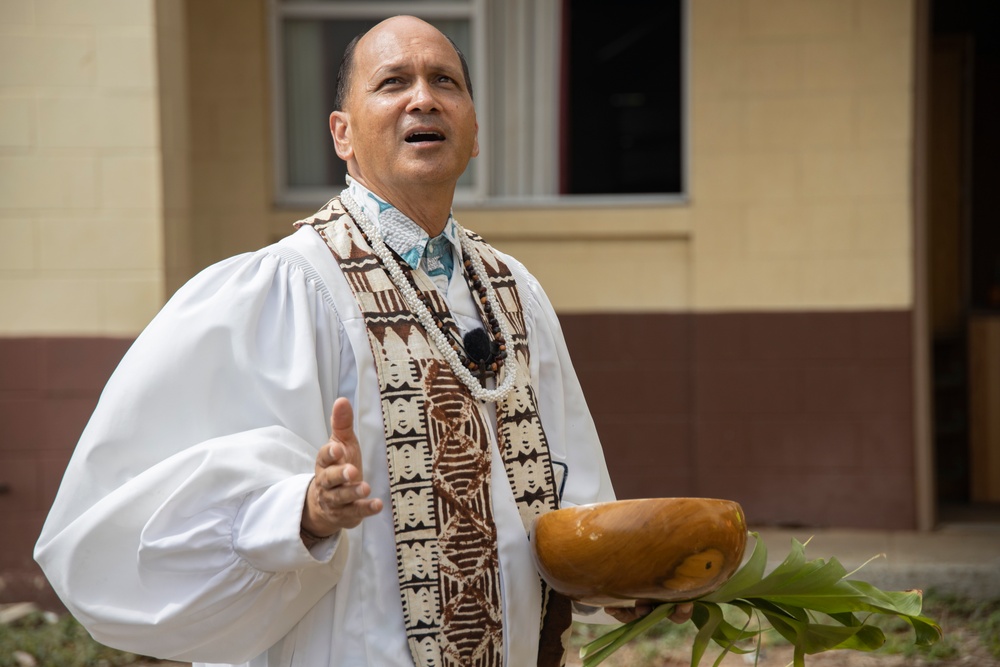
(346, 70)
(407, 127)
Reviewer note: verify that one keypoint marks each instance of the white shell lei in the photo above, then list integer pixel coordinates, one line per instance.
(418, 308)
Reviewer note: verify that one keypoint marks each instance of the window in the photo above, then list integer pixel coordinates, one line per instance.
(573, 97)
(308, 42)
(623, 98)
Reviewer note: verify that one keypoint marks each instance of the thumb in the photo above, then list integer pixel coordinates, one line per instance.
(342, 421)
(342, 430)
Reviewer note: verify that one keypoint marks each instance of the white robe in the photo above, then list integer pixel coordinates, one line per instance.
(175, 532)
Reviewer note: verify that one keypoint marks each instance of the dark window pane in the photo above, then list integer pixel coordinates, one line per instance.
(624, 101)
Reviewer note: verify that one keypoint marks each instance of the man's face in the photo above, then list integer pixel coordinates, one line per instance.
(408, 120)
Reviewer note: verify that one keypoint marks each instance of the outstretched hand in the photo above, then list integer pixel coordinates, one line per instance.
(337, 496)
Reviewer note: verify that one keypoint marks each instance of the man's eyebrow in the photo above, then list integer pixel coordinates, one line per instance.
(390, 69)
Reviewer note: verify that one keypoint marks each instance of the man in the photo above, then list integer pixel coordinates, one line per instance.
(209, 515)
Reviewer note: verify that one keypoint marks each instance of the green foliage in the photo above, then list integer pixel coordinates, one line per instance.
(658, 637)
(982, 616)
(990, 633)
(61, 644)
(811, 603)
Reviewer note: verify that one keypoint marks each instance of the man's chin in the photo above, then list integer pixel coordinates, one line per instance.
(423, 174)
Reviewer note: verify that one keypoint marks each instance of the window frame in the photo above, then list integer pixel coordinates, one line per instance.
(478, 195)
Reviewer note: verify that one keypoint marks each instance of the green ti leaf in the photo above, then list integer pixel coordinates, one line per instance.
(598, 650)
(814, 604)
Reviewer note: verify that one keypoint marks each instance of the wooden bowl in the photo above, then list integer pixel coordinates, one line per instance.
(664, 549)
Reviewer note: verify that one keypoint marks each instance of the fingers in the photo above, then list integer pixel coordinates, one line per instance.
(338, 462)
(629, 614)
(337, 496)
(351, 514)
(331, 454)
(341, 478)
(343, 446)
(620, 614)
(682, 612)
(329, 509)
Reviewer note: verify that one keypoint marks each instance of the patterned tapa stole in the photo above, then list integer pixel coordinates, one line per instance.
(438, 450)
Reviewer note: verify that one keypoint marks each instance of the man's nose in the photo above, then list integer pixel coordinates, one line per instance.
(422, 96)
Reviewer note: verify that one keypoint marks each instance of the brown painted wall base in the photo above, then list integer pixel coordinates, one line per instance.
(804, 418)
(48, 388)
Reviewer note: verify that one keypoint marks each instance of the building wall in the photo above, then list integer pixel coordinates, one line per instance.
(755, 344)
(229, 133)
(800, 119)
(800, 136)
(752, 343)
(48, 388)
(81, 255)
(805, 418)
(802, 162)
(80, 207)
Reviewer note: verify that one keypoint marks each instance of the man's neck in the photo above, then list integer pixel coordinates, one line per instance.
(428, 207)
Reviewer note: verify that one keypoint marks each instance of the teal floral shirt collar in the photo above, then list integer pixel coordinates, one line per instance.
(435, 255)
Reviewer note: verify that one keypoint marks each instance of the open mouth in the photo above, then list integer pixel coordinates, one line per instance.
(424, 136)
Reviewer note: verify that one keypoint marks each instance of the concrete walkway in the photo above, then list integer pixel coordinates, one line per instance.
(959, 559)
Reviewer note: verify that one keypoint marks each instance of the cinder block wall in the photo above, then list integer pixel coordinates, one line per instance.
(802, 132)
(81, 258)
(80, 206)
(756, 343)
(801, 142)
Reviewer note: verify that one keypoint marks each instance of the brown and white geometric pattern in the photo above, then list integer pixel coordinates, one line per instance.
(438, 451)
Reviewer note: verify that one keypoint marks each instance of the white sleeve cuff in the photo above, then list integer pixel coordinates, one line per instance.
(266, 530)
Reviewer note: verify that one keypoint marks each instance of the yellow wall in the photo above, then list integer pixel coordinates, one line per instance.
(800, 136)
(801, 116)
(607, 259)
(80, 221)
(229, 131)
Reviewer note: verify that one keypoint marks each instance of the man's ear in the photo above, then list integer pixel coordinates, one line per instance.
(475, 145)
(340, 129)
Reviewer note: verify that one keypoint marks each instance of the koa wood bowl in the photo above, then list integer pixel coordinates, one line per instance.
(664, 549)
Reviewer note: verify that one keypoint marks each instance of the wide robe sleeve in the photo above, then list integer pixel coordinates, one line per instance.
(175, 532)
